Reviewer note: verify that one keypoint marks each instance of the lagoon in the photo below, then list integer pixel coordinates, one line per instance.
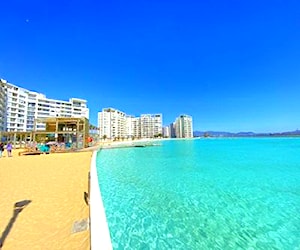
(229, 193)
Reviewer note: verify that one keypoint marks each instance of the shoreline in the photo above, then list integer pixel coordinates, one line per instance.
(126, 143)
(98, 221)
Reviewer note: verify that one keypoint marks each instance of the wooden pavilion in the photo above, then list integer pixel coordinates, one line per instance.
(70, 130)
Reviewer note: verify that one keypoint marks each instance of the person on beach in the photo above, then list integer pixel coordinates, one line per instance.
(1, 148)
(9, 149)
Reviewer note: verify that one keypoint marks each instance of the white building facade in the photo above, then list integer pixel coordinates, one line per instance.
(2, 105)
(23, 107)
(184, 126)
(136, 127)
(16, 108)
(151, 125)
(112, 124)
(133, 127)
(166, 132)
(115, 124)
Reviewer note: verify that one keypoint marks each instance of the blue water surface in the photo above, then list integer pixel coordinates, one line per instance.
(240, 193)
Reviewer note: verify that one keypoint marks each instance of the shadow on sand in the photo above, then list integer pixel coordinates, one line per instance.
(18, 207)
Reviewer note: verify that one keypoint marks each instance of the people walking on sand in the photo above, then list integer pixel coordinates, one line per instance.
(9, 149)
(1, 148)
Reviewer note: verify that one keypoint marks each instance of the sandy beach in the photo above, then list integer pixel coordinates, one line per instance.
(42, 203)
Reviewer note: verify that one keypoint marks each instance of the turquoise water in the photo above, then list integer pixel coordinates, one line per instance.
(203, 194)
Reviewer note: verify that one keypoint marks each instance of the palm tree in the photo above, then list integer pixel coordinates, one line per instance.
(93, 129)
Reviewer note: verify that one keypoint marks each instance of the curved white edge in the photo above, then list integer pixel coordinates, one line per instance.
(100, 236)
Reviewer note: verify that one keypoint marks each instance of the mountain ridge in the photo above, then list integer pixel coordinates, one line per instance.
(243, 134)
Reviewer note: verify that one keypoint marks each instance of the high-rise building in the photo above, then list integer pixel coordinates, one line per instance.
(136, 125)
(172, 130)
(2, 105)
(157, 126)
(23, 107)
(151, 125)
(184, 126)
(115, 124)
(129, 126)
(112, 124)
(133, 127)
(16, 108)
(166, 132)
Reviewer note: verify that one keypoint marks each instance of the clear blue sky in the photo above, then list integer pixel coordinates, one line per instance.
(232, 65)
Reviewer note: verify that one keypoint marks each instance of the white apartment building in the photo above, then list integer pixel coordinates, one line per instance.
(115, 124)
(2, 106)
(136, 127)
(157, 126)
(133, 127)
(112, 123)
(129, 122)
(23, 107)
(16, 108)
(166, 132)
(151, 125)
(184, 126)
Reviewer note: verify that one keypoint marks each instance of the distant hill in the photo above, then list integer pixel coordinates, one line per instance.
(242, 134)
(289, 133)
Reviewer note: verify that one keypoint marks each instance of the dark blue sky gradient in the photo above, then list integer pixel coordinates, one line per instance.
(232, 65)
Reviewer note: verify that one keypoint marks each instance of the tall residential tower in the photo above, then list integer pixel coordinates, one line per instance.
(151, 125)
(112, 124)
(184, 126)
